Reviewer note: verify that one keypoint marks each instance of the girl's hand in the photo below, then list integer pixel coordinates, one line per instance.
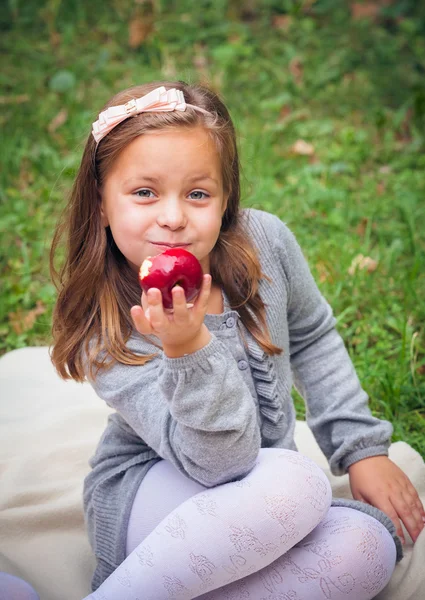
(377, 480)
(177, 328)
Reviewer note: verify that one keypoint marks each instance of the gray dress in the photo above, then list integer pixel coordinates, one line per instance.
(210, 412)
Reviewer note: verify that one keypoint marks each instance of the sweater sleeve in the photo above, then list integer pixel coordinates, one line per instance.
(337, 408)
(195, 411)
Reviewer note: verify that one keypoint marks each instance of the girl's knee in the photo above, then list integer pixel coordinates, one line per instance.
(363, 545)
(292, 489)
(378, 551)
(301, 478)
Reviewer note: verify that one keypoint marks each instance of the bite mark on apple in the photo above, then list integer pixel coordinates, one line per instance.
(174, 266)
(144, 269)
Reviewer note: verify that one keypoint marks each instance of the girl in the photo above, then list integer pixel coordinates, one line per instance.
(197, 489)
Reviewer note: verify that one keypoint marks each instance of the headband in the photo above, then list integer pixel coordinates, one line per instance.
(159, 100)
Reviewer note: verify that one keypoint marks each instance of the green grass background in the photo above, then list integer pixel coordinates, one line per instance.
(354, 89)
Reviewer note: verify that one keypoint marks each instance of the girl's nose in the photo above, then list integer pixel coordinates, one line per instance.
(171, 214)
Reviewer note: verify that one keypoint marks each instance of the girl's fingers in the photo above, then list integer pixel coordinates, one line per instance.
(415, 506)
(142, 315)
(156, 310)
(179, 304)
(201, 302)
(144, 302)
(151, 315)
(410, 515)
(414, 493)
(140, 320)
(389, 510)
(402, 510)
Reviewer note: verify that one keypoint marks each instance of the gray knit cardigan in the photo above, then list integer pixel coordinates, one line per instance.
(209, 412)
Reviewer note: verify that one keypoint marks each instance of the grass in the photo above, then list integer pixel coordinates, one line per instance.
(352, 90)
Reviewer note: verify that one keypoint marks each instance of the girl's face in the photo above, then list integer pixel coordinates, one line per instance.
(165, 187)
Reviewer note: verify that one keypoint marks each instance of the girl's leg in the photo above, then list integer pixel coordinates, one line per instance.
(163, 489)
(321, 560)
(221, 534)
(14, 588)
(348, 556)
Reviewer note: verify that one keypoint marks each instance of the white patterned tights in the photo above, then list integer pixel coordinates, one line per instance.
(270, 536)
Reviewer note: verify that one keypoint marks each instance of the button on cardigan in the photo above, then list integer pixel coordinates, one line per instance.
(185, 409)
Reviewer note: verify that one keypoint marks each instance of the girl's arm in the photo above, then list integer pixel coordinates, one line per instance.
(337, 406)
(195, 411)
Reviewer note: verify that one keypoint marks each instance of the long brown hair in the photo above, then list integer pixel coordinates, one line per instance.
(96, 287)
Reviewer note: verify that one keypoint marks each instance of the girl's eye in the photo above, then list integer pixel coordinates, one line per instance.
(199, 192)
(142, 195)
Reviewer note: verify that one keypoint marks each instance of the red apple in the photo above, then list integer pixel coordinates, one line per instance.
(175, 266)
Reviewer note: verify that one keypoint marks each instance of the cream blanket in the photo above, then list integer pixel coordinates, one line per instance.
(48, 430)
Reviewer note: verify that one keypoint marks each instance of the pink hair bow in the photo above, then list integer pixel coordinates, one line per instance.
(159, 100)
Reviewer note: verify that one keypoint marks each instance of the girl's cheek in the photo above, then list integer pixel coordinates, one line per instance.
(130, 222)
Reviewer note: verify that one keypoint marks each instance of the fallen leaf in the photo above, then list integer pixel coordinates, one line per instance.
(367, 10)
(284, 112)
(283, 22)
(55, 39)
(361, 227)
(307, 4)
(303, 148)
(349, 77)
(22, 321)
(297, 70)
(14, 99)
(234, 38)
(363, 262)
(324, 274)
(380, 188)
(139, 30)
(57, 121)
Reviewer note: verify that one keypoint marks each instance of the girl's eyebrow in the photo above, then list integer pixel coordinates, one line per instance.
(156, 180)
(202, 177)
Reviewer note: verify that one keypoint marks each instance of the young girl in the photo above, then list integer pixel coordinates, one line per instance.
(197, 489)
